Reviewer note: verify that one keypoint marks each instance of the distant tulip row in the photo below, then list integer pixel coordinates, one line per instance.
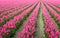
(30, 25)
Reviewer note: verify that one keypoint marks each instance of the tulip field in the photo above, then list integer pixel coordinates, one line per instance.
(29, 18)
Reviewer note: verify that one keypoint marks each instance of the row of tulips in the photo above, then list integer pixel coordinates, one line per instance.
(4, 19)
(54, 14)
(52, 11)
(9, 12)
(29, 27)
(50, 26)
(55, 2)
(9, 7)
(12, 9)
(54, 7)
(11, 25)
(6, 7)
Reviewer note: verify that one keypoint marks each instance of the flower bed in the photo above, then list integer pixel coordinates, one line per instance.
(30, 25)
(11, 26)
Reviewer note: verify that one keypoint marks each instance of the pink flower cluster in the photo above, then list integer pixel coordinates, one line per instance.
(11, 24)
(6, 15)
(58, 9)
(56, 15)
(50, 26)
(56, 2)
(29, 27)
